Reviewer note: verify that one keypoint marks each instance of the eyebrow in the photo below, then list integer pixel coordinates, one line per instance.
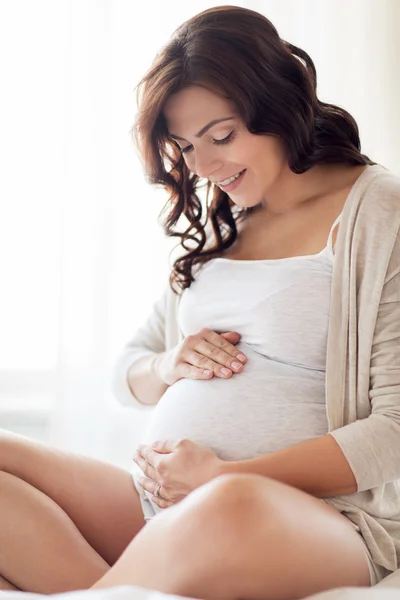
(205, 128)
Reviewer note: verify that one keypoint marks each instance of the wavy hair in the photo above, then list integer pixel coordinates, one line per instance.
(273, 86)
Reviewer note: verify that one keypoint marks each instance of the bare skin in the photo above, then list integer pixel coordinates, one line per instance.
(302, 230)
(69, 522)
(239, 534)
(64, 518)
(83, 515)
(6, 585)
(244, 536)
(77, 513)
(249, 536)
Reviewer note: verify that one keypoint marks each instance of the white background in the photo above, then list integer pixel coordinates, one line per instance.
(82, 256)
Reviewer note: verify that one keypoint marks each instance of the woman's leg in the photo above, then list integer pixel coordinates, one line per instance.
(64, 518)
(6, 585)
(244, 536)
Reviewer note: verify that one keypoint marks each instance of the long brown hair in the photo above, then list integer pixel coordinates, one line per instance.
(273, 85)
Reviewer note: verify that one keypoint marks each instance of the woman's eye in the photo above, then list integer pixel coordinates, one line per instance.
(224, 140)
(187, 149)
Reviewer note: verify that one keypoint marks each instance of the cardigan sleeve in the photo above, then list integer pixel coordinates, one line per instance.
(372, 445)
(148, 339)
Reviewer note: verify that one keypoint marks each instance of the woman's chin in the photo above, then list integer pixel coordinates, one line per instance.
(245, 202)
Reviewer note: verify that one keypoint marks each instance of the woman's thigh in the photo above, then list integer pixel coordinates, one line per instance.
(299, 544)
(99, 497)
(6, 585)
(249, 537)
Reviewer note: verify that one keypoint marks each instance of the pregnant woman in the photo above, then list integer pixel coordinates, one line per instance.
(270, 366)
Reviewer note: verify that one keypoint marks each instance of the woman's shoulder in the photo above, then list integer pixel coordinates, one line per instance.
(373, 218)
(382, 192)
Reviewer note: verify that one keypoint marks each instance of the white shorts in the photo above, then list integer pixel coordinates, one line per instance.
(149, 509)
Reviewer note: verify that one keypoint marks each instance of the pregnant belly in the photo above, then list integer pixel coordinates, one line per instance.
(267, 407)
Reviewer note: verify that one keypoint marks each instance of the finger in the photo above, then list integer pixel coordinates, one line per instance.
(149, 485)
(204, 362)
(164, 446)
(153, 458)
(161, 503)
(188, 371)
(215, 339)
(147, 468)
(231, 336)
(220, 356)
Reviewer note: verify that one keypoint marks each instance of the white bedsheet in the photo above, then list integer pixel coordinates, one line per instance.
(379, 592)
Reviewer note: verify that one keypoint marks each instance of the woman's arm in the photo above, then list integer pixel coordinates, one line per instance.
(144, 381)
(134, 379)
(356, 457)
(317, 466)
(363, 454)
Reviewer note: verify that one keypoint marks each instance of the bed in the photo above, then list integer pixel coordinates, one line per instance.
(387, 589)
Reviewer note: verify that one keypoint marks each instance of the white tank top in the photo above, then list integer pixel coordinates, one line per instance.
(280, 308)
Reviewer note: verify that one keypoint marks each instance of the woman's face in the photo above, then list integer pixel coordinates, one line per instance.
(226, 148)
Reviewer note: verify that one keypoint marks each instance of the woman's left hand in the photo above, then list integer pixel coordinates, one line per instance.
(178, 466)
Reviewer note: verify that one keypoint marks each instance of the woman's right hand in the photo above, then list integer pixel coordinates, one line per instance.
(201, 356)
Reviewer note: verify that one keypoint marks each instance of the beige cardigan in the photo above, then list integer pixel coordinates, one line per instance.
(362, 362)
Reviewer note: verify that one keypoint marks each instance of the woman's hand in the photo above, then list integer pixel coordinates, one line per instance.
(201, 356)
(179, 467)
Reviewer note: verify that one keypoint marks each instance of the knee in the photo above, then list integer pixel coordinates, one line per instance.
(220, 517)
(229, 504)
(5, 478)
(15, 452)
(6, 449)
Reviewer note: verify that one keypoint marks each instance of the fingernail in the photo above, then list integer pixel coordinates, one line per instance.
(242, 357)
(236, 365)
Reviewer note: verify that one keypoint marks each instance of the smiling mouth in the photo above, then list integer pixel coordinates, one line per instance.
(229, 180)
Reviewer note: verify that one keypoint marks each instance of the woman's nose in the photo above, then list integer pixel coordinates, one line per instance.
(206, 164)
